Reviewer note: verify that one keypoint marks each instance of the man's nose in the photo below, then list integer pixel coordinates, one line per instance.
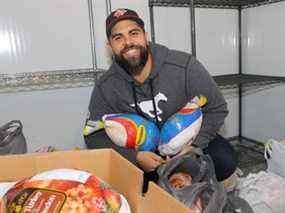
(128, 40)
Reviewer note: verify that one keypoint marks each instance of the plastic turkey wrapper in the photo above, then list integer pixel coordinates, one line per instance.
(62, 191)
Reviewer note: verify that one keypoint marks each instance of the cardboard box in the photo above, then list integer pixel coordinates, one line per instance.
(105, 164)
(158, 200)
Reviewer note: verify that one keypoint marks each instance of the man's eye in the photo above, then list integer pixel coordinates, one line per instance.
(135, 33)
(117, 38)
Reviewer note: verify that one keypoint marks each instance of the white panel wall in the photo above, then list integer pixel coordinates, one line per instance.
(103, 56)
(217, 40)
(231, 126)
(44, 35)
(263, 54)
(264, 39)
(172, 27)
(217, 49)
(264, 114)
(53, 117)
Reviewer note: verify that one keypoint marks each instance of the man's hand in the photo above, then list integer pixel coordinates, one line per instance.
(185, 150)
(149, 161)
(189, 149)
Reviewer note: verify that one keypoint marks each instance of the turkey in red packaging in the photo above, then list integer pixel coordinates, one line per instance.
(63, 191)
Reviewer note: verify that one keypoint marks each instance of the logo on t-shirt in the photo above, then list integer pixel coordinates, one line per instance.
(147, 106)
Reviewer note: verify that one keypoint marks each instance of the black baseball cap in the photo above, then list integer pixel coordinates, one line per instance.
(119, 15)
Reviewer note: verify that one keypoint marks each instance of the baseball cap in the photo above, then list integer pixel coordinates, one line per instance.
(119, 15)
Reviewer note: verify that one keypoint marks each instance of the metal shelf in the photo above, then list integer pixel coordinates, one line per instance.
(83, 78)
(229, 4)
(232, 4)
(48, 80)
(237, 80)
(170, 3)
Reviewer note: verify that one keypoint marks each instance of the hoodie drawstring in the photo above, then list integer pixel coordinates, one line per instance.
(153, 103)
(136, 101)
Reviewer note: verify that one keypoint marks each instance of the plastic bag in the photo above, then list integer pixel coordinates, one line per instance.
(12, 140)
(274, 154)
(182, 127)
(131, 131)
(204, 184)
(204, 194)
(64, 191)
(264, 191)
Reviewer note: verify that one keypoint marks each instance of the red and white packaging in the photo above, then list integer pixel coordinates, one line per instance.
(61, 191)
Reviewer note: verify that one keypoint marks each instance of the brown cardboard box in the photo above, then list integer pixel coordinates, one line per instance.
(105, 164)
(158, 200)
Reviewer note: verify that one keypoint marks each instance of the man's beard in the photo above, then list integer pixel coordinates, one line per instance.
(133, 65)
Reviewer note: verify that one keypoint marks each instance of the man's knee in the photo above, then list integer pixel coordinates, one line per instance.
(224, 157)
(97, 140)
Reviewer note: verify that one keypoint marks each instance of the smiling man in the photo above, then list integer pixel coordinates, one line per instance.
(155, 82)
(128, 41)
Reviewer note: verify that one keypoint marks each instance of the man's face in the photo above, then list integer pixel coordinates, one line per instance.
(129, 45)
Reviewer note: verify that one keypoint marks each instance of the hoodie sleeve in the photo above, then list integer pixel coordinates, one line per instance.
(98, 105)
(199, 82)
(100, 140)
(95, 136)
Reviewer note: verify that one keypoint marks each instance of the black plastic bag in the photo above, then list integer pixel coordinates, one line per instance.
(204, 185)
(12, 140)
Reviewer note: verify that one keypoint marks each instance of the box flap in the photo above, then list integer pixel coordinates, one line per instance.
(15, 167)
(127, 178)
(22, 166)
(158, 200)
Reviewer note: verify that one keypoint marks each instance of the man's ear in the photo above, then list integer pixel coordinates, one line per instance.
(109, 48)
(108, 45)
(147, 38)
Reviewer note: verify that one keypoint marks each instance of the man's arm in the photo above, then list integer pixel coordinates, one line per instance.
(215, 111)
(94, 135)
(148, 161)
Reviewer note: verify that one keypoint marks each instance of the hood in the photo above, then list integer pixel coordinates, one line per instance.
(158, 52)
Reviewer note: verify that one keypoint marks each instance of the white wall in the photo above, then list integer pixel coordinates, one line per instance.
(263, 54)
(264, 114)
(217, 39)
(217, 48)
(44, 35)
(172, 27)
(53, 117)
(263, 39)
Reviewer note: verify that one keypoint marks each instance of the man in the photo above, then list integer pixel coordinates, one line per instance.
(167, 79)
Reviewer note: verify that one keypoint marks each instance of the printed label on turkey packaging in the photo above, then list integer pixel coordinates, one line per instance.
(37, 200)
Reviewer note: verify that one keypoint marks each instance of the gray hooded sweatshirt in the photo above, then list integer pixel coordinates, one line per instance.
(176, 77)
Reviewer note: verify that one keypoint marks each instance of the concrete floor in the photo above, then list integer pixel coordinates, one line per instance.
(250, 157)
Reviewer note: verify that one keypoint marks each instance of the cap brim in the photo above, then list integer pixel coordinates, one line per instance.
(133, 18)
